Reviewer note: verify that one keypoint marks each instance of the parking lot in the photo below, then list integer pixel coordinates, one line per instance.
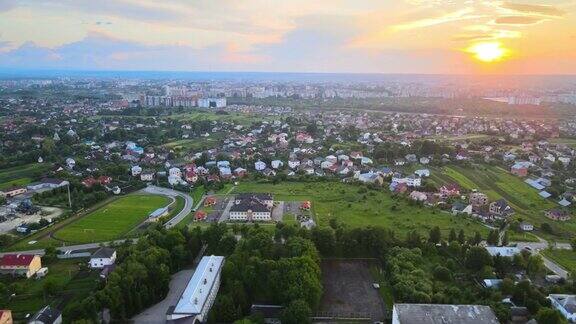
(348, 291)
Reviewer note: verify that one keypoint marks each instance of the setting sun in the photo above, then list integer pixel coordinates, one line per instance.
(488, 52)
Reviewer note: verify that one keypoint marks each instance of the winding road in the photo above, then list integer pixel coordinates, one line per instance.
(188, 203)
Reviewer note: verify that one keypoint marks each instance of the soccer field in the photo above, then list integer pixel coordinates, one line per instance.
(112, 220)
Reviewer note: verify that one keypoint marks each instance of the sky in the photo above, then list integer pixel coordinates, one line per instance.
(359, 36)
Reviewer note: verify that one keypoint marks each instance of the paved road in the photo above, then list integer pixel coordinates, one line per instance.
(70, 248)
(536, 247)
(188, 202)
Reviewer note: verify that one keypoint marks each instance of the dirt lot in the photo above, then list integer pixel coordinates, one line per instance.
(348, 291)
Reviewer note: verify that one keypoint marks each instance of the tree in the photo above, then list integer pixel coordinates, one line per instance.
(49, 287)
(461, 237)
(442, 273)
(476, 239)
(49, 255)
(477, 258)
(535, 265)
(505, 239)
(573, 244)
(493, 237)
(435, 235)
(325, 240)
(549, 316)
(452, 236)
(296, 312)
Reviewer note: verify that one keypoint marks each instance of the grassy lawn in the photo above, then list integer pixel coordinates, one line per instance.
(197, 194)
(521, 237)
(498, 183)
(70, 282)
(113, 220)
(15, 182)
(565, 258)
(358, 209)
(22, 172)
(566, 141)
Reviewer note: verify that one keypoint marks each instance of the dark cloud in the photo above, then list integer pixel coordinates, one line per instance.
(534, 9)
(518, 20)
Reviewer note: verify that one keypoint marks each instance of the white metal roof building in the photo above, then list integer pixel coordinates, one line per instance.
(200, 293)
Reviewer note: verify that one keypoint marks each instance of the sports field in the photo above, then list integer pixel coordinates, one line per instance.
(356, 207)
(113, 220)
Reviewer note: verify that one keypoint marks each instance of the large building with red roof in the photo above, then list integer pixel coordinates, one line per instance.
(20, 264)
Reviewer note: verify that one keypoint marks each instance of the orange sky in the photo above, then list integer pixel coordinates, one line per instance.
(400, 36)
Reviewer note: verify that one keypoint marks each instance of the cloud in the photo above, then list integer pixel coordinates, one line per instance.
(518, 20)
(544, 10)
(462, 14)
(491, 35)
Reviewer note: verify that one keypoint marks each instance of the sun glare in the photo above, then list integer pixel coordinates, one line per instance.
(488, 52)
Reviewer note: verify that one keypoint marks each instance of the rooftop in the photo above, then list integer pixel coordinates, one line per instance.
(444, 314)
(198, 289)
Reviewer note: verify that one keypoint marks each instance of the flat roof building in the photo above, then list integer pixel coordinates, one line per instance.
(200, 293)
(442, 314)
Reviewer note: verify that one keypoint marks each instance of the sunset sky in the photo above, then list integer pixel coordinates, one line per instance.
(394, 36)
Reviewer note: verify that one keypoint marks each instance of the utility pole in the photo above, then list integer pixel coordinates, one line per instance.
(69, 199)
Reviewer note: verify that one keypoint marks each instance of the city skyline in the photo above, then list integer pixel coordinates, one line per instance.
(411, 36)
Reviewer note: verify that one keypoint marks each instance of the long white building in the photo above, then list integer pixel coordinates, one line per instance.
(200, 293)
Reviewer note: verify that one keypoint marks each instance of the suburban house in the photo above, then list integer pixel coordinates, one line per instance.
(418, 196)
(104, 256)
(259, 165)
(478, 199)
(460, 208)
(5, 316)
(442, 314)
(519, 169)
(46, 315)
(13, 191)
(410, 181)
(422, 173)
(526, 227)
(450, 190)
(557, 214)
(147, 176)
(252, 207)
(20, 264)
(500, 208)
(566, 304)
(47, 183)
(136, 170)
(200, 292)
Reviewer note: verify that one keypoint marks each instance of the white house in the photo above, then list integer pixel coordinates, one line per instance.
(422, 172)
(566, 304)
(293, 164)
(176, 172)
(147, 176)
(200, 292)
(526, 227)
(276, 164)
(259, 165)
(252, 207)
(104, 256)
(70, 163)
(136, 170)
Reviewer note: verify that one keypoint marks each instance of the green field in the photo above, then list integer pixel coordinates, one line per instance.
(498, 183)
(21, 174)
(15, 182)
(565, 258)
(566, 141)
(113, 220)
(355, 208)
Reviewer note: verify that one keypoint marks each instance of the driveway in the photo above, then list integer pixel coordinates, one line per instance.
(188, 203)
